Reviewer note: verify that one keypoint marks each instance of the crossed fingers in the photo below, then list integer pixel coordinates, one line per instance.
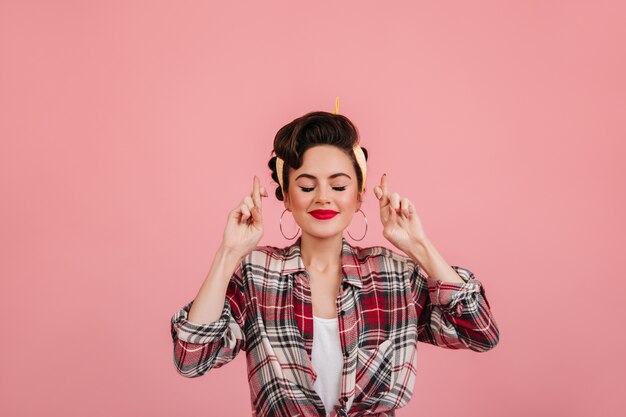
(252, 205)
(392, 202)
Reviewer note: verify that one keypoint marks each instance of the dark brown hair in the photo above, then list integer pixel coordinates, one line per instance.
(312, 129)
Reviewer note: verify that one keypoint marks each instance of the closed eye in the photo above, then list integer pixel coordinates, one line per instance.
(309, 189)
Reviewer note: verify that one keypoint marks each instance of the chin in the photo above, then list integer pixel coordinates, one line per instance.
(324, 234)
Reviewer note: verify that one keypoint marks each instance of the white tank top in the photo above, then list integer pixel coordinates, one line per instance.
(327, 360)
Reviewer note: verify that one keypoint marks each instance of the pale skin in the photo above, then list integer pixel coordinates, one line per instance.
(321, 242)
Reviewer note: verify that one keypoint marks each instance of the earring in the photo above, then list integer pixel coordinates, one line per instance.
(365, 217)
(281, 228)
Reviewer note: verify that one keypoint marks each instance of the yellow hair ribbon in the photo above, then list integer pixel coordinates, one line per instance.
(360, 159)
(279, 172)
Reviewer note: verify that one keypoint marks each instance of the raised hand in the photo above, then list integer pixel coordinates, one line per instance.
(244, 226)
(401, 225)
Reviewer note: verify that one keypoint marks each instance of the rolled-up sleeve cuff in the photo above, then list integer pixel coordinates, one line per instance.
(200, 333)
(448, 295)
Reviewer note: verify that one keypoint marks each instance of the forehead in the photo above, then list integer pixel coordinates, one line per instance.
(325, 160)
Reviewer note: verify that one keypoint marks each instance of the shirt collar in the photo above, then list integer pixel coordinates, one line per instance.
(352, 269)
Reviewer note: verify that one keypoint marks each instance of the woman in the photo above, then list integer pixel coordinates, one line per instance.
(329, 329)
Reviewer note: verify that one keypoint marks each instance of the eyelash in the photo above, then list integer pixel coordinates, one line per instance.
(309, 189)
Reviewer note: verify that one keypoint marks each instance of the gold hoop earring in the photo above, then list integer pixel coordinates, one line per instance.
(365, 217)
(281, 228)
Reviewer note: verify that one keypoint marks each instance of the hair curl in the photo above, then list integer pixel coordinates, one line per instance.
(312, 129)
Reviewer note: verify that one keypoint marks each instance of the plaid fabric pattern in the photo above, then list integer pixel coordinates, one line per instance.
(385, 306)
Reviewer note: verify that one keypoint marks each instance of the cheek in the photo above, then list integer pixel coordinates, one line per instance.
(300, 201)
(348, 200)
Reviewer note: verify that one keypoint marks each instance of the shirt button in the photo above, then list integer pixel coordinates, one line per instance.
(342, 313)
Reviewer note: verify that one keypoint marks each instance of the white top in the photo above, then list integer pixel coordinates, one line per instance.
(327, 360)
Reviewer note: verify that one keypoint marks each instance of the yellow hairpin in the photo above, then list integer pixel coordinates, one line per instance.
(337, 105)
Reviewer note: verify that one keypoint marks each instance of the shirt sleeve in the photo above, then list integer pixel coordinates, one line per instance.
(198, 347)
(454, 315)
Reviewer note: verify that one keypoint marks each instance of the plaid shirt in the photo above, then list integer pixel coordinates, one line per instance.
(386, 305)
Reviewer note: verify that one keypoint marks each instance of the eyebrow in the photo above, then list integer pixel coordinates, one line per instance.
(313, 177)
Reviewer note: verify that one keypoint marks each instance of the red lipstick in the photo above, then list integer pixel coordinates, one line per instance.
(323, 214)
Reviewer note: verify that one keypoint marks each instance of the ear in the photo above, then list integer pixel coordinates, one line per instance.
(360, 200)
(286, 201)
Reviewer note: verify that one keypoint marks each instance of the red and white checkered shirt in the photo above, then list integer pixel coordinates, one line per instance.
(385, 306)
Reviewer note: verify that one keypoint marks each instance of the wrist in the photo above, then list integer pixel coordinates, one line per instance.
(225, 262)
(430, 260)
(228, 255)
(419, 249)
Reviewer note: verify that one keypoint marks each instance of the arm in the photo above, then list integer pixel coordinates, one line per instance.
(455, 312)
(453, 309)
(209, 331)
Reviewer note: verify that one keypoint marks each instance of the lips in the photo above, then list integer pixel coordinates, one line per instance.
(323, 214)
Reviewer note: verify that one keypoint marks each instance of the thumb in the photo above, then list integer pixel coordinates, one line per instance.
(377, 192)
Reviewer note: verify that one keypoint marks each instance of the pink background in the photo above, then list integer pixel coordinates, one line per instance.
(129, 130)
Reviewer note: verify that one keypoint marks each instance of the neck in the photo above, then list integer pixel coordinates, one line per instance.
(321, 254)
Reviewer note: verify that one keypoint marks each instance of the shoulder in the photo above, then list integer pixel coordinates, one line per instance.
(268, 257)
(267, 251)
(384, 256)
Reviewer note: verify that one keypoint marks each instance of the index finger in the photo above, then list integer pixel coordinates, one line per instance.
(383, 183)
(256, 192)
(384, 197)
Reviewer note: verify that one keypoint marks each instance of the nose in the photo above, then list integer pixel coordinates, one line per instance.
(322, 195)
